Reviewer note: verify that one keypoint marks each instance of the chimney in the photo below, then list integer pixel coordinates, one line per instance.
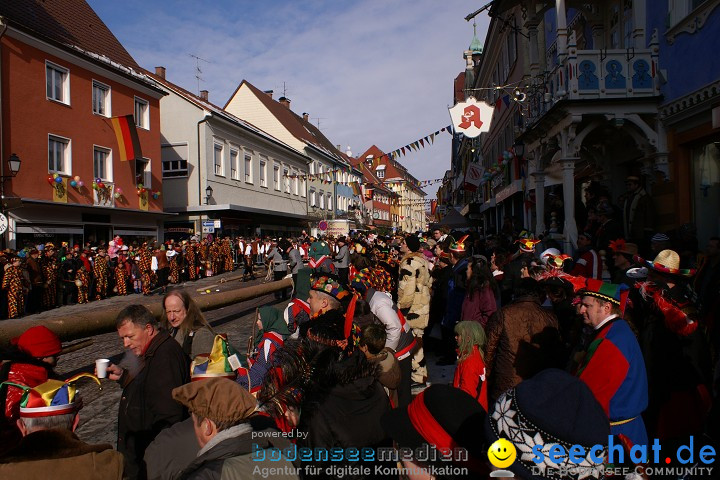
(285, 101)
(306, 117)
(269, 93)
(160, 72)
(204, 95)
(338, 147)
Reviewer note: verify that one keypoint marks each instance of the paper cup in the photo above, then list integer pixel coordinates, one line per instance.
(101, 367)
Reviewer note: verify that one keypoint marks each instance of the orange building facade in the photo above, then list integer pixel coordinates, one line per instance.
(57, 105)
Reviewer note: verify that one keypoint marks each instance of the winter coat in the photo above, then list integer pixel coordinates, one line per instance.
(279, 263)
(471, 377)
(234, 454)
(172, 451)
(455, 294)
(399, 335)
(414, 289)
(522, 339)
(146, 405)
(480, 306)
(194, 343)
(342, 258)
(60, 455)
(345, 409)
(295, 260)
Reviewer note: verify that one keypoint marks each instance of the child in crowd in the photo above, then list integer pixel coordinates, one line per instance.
(372, 344)
(470, 372)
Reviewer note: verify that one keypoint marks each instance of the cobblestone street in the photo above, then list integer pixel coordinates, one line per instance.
(98, 418)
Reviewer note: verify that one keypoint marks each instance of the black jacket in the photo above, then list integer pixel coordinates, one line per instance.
(146, 405)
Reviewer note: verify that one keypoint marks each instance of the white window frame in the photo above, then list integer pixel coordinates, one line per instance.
(67, 154)
(321, 198)
(263, 171)
(380, 173)
(312, 168)
(101, 108)
(276, 177)
(329, 201)
(296, 182)
(65, 72)
(339, 202)
(174, 171)
(313, 199)
(234, 163)
(108, 163)
(248, 164)
(286, 179)
(147, 180)
(144, 121)
(303, 187)
(219, 168)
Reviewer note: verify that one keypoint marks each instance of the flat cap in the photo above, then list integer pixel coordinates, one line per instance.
(219, 399)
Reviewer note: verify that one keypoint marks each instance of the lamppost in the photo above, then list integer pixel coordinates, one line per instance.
(14, 162)
(208, 196)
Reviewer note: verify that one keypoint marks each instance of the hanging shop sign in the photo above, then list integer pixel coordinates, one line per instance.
(471, 117)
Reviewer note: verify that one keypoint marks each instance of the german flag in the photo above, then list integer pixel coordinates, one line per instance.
(127, 138)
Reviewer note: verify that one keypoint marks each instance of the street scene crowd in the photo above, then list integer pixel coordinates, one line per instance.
(618, 342)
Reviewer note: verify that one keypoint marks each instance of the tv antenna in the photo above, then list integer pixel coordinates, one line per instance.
(198, 71)
(317, 121)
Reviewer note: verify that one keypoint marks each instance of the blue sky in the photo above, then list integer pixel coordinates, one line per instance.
(370, 72)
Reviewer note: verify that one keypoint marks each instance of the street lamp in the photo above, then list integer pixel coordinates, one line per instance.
(14, 162)
(519, 149)
(208, 194)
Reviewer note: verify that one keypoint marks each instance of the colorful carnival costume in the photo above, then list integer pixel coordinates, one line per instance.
(13, 283)
(50, 274)
(612, 366)
(100, 271)
(82, 281)
(121, 278)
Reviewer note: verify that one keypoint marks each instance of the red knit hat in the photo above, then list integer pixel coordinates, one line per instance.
(38, 342)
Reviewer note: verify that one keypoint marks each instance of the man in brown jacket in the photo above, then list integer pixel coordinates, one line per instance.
(36, 282)
(522, 339)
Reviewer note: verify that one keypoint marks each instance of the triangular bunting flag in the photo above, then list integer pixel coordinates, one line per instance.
(422, 143)
(506, 99)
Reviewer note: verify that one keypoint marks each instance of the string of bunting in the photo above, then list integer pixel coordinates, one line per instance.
(411, 147)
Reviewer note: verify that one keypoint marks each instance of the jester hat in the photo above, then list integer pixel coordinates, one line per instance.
(53, 397)
(527, 245)
(459, 246)
(217, 363)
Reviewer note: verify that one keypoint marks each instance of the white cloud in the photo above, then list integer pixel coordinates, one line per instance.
(373, 72)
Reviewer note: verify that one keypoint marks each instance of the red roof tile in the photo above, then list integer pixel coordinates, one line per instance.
(67, 22)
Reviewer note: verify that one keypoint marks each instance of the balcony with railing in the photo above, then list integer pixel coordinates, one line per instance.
(596, 74)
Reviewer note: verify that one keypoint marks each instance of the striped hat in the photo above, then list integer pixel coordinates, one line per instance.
(53, 397)
(217, 363)
(610, 292)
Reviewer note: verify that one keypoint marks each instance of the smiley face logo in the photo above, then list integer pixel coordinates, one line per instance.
(502, 453)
